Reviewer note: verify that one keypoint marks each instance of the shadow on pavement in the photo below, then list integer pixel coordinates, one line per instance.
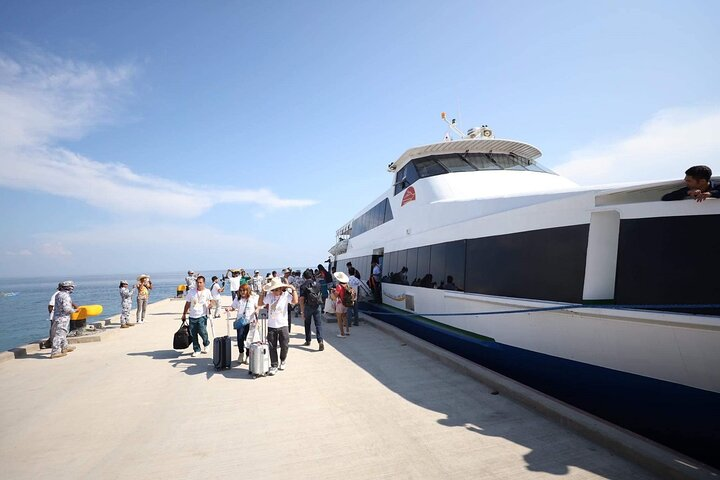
(477, 408)
(201, 365)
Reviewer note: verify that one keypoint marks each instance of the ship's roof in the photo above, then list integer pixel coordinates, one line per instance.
(468, 146)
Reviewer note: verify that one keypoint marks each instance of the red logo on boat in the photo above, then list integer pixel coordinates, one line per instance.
(408, 196)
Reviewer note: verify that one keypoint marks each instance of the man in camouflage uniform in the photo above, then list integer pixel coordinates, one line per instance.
(125, 304)
(61, 320)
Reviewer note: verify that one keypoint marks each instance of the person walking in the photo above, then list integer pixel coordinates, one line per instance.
(189, 281)
(197, 304)
(215, 291)
(61, 320)
(125, 304)
(288, 279)
(247, 307)
(341, 291)
(257, 283)
(143, 288)
(310, 302)
(277, 299)
(51, 306)
(355, 283)
(234, 283)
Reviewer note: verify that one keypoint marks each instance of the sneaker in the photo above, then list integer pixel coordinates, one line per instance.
(204, 350)
(194, 354)
(321, 347)
(282, 366)
(272, 371)
(306, 344)
(58, 355)
(241, 359)
(124, 325)
(69, 349)
(340, 335)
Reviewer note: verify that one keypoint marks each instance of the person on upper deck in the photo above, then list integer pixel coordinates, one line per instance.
(699, 186)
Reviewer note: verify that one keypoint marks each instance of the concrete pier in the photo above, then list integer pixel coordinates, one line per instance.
(369, 406)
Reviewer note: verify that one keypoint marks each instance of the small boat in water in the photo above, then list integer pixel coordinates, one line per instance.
(608, 316)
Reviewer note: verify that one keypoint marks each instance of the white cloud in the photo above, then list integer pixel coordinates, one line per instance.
(662, 149)
(54, 249)
(19, 253)
(45, 99)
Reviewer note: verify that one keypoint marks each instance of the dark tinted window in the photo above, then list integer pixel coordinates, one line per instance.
(374, 217)
(423, 267)
(437, 263)
(411, 264)
(401, 262)
(428, 167)
(388, 211)
(390, 266)
(456, 163)
(455, 263)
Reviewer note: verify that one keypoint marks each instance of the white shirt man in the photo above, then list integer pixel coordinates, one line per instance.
(197, 305)
(234, 284)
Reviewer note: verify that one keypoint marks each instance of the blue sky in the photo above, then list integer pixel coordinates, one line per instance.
(160, 136)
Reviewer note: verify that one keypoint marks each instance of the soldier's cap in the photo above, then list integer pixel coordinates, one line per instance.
(67, 284)
(123, 282)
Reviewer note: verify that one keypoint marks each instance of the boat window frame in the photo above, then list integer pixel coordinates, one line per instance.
(478, 161)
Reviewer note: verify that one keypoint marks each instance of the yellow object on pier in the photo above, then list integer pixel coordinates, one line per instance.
(85, 311)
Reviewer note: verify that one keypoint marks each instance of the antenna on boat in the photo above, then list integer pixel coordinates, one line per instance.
(452, 124)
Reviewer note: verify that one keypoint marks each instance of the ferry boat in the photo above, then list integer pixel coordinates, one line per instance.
(616, 299)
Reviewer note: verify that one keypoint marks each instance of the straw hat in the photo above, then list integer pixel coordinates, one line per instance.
(341, 277)
(143, 276)
(273, 284)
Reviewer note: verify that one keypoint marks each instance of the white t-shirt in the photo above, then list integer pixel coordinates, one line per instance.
(199, 302)
(52, 299)
(376, 270)
(235, 283)
(242, 306)
(277, 309)
(215, 291)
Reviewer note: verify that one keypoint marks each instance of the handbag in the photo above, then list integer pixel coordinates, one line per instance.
(329, 306)
(242, 320)
(181, 339)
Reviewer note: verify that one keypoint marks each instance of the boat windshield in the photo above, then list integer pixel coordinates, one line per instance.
(459, 162)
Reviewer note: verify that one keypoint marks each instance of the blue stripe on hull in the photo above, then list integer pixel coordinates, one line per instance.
(685, 419)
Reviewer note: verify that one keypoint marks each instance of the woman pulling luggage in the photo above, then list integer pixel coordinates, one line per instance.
(246, 304)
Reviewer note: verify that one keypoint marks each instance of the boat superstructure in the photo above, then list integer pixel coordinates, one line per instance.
(472, 229)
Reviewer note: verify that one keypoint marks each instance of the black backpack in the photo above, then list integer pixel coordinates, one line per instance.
(311, 292)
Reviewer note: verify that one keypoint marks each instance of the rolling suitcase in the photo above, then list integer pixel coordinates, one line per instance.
(222, 352)
(260, 353)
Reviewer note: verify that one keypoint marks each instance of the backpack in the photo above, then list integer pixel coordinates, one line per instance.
(348, 298)
(312, 294)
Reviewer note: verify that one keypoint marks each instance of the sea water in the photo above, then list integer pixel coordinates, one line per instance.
(24, 301)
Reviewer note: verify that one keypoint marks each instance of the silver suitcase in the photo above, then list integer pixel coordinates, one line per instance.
(259, 364)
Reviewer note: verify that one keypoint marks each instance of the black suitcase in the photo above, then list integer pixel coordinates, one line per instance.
(222, 352)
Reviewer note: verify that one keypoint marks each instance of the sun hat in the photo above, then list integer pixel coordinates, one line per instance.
(273, 284)
(257, 271)
(341, 277)
(140, 277)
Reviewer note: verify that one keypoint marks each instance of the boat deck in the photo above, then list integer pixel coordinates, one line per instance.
(368, 407)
